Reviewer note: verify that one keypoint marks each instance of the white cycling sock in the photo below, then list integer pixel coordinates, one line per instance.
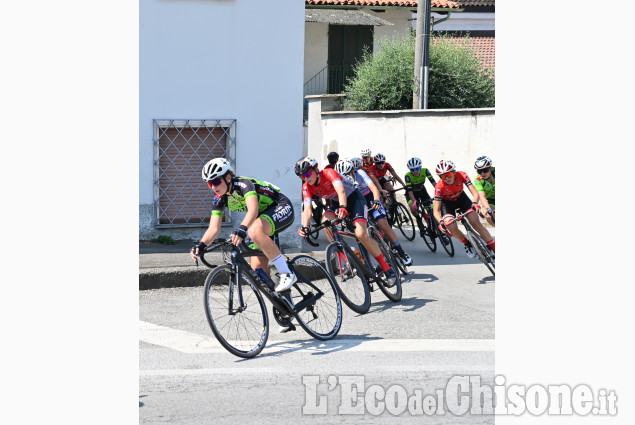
(281, 264)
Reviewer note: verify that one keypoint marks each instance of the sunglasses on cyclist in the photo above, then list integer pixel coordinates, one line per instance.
(214, 182)
(483, 170)
(379, 163)
(447, 175)
(415, 169)
(306, 175)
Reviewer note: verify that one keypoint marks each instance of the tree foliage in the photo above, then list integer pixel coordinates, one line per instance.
(385, 80)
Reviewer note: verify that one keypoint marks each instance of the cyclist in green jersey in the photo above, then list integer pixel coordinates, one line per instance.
(484, 184)
(268, 212)
(415, 180)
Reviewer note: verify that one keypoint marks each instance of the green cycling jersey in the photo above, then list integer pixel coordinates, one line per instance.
(483, 185)
(243, 188)
(415, 183)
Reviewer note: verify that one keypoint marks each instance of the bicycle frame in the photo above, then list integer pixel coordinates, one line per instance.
(239, 266)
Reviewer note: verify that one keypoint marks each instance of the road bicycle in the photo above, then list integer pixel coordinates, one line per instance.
(486, 255)
(398, 214)
(236, 310)
(375, 232)
(431, 232)
(354, 270)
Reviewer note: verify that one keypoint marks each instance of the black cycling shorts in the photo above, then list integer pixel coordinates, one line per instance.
(383, 181)
(279, 216)
(449, 207)
(421, 196)
(356, 207)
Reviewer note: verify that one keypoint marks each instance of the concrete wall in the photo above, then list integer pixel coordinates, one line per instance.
(460, 135)
(238, 59)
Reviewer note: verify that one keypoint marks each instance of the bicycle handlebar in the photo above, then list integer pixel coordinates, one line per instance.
(243, 249)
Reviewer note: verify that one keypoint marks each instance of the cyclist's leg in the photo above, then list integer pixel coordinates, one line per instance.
(448, 209)
(330, 214)
(493, 214)
(271, 221)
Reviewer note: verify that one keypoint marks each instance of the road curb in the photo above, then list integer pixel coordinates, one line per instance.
(172, 277)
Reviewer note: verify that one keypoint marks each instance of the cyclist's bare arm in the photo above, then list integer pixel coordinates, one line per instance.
(396, 176)
(375, 190)
(210, 234)
(436, 210)
(341, 194)
(483, 200)
(474, 193)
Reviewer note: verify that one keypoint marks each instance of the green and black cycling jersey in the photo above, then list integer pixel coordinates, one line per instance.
(482, 185)
(243, 188)
(416, 184)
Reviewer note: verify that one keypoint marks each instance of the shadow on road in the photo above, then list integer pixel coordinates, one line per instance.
(405, 304)
(486, 280)
(419, 277)
(317, 348)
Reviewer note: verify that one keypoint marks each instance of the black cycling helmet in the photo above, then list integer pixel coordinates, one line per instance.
(333, 157)
(304, 164)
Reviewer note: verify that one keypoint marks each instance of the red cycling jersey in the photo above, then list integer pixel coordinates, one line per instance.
(451, 192)
(380, 173)
(324, 186)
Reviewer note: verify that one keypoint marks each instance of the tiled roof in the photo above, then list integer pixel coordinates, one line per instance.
(465, 3)
(402, 3)
(484, 47)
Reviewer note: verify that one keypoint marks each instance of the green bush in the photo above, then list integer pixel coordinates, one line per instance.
(457, 78)
(165, 240)
(384, 81)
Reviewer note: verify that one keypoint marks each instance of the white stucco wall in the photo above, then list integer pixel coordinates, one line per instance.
(237, 59)
(460, 135)
(401, 27)
(316, 48)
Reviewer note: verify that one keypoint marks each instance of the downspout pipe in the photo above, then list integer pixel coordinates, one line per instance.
(441, 20)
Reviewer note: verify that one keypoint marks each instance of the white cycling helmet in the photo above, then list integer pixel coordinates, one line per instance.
(217, 167)
(344, 166)
(445, 166)
(357, 163)
(414, 163)
(379, 158)
(483, 162)
(366, 153)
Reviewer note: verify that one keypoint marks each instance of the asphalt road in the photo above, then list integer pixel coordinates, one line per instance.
(396, 354)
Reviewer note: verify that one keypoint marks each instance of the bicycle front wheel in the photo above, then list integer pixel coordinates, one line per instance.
(350, 281)
(242, 328)
(394, 292)
(482, 251)
(404, 221)
(316, 296)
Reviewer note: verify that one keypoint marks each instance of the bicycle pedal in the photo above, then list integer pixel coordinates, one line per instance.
(286, 296)
(290, 328)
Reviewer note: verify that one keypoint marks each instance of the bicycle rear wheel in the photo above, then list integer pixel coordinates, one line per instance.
(350, 281)
(404, 221)
(322, 317)
(242, 332)
(429, 235)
